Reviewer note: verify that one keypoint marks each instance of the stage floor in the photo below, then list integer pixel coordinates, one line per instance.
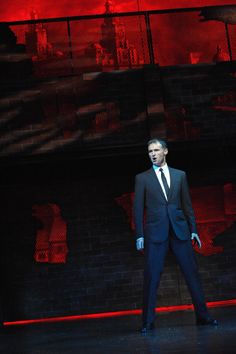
(175, 333)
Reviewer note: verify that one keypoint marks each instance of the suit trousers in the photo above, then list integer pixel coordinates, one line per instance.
(155, 254)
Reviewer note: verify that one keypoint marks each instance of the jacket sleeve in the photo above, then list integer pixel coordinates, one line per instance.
(187, 205)
(139, 202)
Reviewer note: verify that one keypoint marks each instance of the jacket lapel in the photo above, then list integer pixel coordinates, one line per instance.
(155, 181)
(172, 182)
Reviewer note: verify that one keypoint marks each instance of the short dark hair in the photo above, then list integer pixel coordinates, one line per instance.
(160, 141)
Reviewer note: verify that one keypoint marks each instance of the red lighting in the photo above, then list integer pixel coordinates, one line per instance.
(51, 243)
(16, 10)
(119, 313)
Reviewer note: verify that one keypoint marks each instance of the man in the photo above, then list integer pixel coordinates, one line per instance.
(162, 194)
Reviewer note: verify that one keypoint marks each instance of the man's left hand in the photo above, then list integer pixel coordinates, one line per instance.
(195, 238)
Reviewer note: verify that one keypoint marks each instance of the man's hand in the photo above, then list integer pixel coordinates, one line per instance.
(195, 238)
(140, 244)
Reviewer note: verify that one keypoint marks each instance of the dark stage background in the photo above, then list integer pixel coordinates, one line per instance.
(102, 271)
(74, 125)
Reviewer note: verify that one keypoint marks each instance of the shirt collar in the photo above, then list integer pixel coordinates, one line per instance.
(157, 168)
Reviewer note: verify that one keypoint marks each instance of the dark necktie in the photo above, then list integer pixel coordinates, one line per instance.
(164, 181)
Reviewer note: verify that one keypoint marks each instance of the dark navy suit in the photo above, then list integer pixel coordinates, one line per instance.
(168, 224)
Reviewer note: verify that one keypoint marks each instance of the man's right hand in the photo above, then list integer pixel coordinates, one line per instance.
(140, 243)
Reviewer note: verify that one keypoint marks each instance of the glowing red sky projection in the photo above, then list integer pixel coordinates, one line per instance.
(20, 10)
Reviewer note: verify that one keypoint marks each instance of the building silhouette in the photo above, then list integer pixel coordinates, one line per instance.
(36, 39)
(113, 48)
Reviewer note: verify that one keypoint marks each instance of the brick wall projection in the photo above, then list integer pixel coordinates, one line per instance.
(102, 270)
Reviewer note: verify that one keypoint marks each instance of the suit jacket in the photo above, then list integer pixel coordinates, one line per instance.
(160, 213)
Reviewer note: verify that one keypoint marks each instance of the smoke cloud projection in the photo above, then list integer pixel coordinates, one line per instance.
(18, 10)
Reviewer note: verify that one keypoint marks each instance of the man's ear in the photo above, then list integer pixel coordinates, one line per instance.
(166, 151)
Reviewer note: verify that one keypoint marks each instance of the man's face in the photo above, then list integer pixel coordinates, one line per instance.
(157, 154)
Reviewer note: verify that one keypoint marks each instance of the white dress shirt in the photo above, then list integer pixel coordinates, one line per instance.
(167, 176)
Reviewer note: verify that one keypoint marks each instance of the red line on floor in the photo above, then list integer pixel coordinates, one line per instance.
(118, 313)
